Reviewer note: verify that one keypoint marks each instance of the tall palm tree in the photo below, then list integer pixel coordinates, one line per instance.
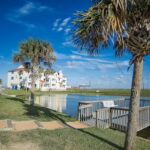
(126, 25)
(33, 53)
(1, 81)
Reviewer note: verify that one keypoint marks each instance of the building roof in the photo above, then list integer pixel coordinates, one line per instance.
(17, 69)
(42, 81)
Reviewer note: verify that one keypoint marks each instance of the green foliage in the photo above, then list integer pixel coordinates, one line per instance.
(35, 51)
(125, 23)
(32, 53)
(1, 81)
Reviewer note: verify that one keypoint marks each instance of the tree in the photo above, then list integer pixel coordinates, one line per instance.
(1, 81)
(33, 53)
(126, 25)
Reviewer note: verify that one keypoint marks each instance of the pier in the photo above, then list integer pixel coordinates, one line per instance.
(94, 114)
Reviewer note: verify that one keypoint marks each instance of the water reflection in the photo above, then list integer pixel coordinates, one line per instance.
(56, 102)
(68, 103)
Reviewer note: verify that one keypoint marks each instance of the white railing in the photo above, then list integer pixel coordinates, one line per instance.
(114, 117)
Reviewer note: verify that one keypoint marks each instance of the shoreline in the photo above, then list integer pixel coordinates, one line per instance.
(109, 92)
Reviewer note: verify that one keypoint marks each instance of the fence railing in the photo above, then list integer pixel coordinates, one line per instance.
(144, 117)
(114, 117)
(117, 118)
(85, 112)
(103, 118)
(121, 102)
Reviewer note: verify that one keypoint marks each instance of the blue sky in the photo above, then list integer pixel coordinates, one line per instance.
(51, 20)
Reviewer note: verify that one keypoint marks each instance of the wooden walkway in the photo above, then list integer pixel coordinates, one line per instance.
(115, 117)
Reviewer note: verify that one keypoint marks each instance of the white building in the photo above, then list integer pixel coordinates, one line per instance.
(20, 77)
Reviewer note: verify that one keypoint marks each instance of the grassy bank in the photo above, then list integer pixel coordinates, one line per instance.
(71, 139)
(115, 92)
(19, 109)
(61, 139)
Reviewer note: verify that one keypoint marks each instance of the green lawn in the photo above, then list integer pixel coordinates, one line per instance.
(60, 139)
(117, 92)
(71, 139)
(19, 109)
(15, 92)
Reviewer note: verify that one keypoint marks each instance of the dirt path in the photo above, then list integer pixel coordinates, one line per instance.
(20, 146)
(6, 125)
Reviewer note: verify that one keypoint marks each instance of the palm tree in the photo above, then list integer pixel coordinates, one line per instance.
(126, 25)
(32, 53)
(1, 81)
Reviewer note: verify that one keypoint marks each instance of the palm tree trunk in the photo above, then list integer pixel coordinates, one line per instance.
(34, 75)
(133, 120)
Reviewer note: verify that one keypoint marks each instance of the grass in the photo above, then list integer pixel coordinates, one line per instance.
(60, 139)
(71, 139)
(15, 92)
(19, 109)
(115, 92)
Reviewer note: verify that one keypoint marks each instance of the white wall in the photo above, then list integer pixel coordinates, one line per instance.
(55, 81)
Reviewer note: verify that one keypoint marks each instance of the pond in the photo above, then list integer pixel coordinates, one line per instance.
(68, 103)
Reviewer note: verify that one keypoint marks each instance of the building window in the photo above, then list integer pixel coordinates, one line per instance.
(20, 78)
(12, 72)
(12, 78)
(47, 80)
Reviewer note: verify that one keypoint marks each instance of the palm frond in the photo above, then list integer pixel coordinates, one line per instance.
(124, 22)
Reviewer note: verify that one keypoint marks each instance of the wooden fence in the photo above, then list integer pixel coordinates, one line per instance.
(144, 117)
(115, 117)
(103, 118)
(85, 112)
(120, 102)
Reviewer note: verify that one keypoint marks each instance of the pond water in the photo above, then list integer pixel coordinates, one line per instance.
(68, 103)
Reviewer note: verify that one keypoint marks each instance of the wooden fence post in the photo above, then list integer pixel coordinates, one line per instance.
(79, 112)
(96, 118)
(110, 117)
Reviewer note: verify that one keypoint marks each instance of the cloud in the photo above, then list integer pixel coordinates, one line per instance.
(55, 24)
(89, 63)
(59, 29)
(26, 9)
(112, 65)
(83, 53)
(96, 60)
(62, 25)
(60, 56)
(26, 24)
(73, 64)
(67, 30)
(65, 21)
(67, 43)
(30, 7)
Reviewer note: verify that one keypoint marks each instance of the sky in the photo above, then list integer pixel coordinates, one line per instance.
(52, 20)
